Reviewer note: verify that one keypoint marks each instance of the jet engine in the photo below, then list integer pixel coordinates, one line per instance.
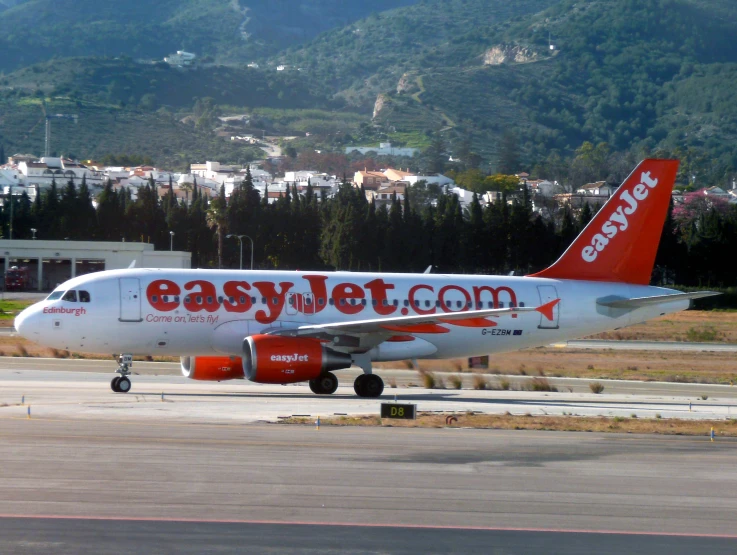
(212, 369)
(274, 359)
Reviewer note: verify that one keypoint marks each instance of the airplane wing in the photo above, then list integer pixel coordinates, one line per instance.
(639, 302)
(431, 323)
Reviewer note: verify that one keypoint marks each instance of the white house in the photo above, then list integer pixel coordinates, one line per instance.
(385, 149)
(181, 58)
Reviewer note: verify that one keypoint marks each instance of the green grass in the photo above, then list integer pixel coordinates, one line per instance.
(9, 309)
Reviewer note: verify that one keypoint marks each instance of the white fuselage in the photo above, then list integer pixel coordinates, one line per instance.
(210, 312)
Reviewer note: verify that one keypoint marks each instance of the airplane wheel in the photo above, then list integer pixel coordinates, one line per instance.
(124, 385)
(359, 386)
(373, 386)
(315, 387)
(328, 383)
(325, 384)
(114, 384)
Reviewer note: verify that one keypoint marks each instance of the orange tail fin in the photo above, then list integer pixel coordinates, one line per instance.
(621, 241)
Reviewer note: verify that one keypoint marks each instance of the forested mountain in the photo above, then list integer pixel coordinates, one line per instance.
(639, 75)
(652, 73)
(226, 30)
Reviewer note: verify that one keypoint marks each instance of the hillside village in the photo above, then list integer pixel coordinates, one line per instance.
(30, 175)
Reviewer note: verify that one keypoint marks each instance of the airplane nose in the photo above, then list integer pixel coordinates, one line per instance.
(24, 322)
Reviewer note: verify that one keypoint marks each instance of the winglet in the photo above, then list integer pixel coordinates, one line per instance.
(547, 309)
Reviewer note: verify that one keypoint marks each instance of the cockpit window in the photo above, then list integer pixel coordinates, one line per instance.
(55, 295)
(84, 296)
(70, 296)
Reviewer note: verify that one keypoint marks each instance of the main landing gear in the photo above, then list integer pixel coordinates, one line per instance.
(121, 384)
(368, 385)
(325, 384)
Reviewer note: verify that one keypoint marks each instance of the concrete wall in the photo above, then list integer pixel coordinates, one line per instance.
(52, 262)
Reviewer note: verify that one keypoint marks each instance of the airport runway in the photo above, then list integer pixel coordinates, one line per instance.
(646, 345)
(56, 393)
(151, 486)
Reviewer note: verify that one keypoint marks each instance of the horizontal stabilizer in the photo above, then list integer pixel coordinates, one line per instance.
(658, 299)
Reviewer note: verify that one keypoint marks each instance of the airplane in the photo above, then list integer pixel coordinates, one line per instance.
(281, 327)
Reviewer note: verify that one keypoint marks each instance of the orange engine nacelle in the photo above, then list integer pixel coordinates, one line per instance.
(212, 369)
(274, 359)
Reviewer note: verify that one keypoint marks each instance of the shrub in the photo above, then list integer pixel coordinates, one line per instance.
(22, 351)
(539, 384)
(480, 383)
(658, 416)
(428, 379)
(504, 384)
(392, 383)
(596, 387)
(456, 382)
(522, 370)
(705, 334)
(704, 397)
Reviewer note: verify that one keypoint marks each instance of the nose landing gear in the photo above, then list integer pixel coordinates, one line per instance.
(121, 384)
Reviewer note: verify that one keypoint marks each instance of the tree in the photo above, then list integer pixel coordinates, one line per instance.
(508, 162)
(217, 218)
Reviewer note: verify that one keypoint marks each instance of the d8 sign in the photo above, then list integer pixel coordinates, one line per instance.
(402, 412)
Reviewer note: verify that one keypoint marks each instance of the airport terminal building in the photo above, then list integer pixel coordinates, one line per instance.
(35, 265)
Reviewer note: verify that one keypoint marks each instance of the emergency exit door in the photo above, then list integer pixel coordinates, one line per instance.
(548, 293)
(130, 300)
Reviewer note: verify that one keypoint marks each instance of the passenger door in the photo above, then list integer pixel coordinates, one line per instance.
(130, 300)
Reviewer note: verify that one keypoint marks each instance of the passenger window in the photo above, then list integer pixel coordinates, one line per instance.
(154, 299)
(199, 300)
(374, 302)
(209, 300)
(406, 302)
(395, 302)
(70, 296)
(187, 299)
(274, 301)
(385, 302)
(458, 304)
(308, 301)
(291, 300)
(522, 305)
(263, 300)
(220, 299)
(84, 297)
(321, 301)
(253, 300)
(55, 295)
(353, 302)
(427, 303)
(231, 300)
(243, 300)
(342, 302)
(332, 302)
(501, 304)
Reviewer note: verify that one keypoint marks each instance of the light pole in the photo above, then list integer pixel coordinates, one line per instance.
(240, 242)
(33, 230)
(171, 240)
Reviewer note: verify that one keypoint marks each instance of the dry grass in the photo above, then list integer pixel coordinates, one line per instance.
(596, 387)
(690, 325)
(723, 428)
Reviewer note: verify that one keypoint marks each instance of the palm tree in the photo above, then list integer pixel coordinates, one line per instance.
(217, 217)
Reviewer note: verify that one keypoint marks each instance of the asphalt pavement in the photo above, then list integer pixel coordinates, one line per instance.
(87, 486)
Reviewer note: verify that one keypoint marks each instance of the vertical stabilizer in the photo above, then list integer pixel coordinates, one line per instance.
(621, 241)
